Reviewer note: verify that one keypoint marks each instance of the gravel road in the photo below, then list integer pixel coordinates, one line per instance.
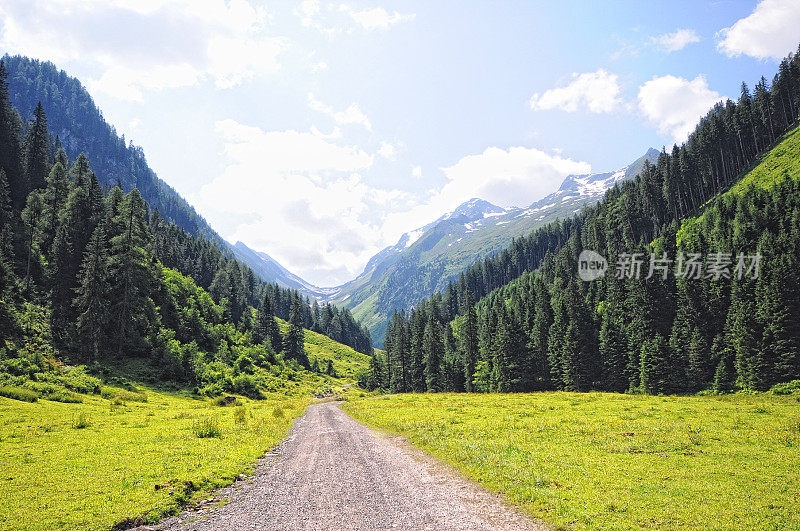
(335, 473)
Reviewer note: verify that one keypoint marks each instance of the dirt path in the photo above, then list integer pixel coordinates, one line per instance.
(334, 473)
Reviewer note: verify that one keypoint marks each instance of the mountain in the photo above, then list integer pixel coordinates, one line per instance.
(726, 321)
(183, 240)
(269, 270)
(425, 260)
(78, 126)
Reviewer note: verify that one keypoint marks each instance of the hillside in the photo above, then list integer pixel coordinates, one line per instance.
(695, 298)
(427, 259)
(77, 125)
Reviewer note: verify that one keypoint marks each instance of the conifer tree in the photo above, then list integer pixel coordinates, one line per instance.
(266, 327)
(131, 273)
(294, 341)
(92, 301)
(32, 218)
(469, 341)
(433, 355)
(37, 159)
(10, 145)
(6, 220)
(55, 197)
(655, 366)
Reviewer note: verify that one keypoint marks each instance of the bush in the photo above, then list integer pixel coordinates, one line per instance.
(240, 416)
(244, 384)
(18, 393)
(207, 428)
(787, 388)
(277, 412)
(66, 397)
(226, 400)
(110, 393)
(81, 422)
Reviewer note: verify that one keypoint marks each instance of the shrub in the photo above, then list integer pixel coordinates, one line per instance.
(278, 412)
(81, 422)
(244, 384)
(110, 393)
(240, 416)
(18, 393)
(226, 400)
(66, 397)
(207, 428)
(787, 388)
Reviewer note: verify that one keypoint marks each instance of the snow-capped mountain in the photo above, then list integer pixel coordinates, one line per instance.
(427, 259)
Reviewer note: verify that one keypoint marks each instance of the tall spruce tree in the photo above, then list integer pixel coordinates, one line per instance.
(294, 341)
(92, 301)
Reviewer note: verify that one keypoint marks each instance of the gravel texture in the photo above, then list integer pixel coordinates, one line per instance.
(332, 472)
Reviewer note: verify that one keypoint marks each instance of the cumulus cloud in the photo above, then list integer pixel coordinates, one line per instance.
(387, 151)
(516, 176)
(672, 42)
(301, 198)
(599, 92)
(674, 104)
(351, 115)
(376, 18)
(138, 46)
(770, 31)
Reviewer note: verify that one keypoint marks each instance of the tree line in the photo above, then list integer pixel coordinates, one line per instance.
(537, 326)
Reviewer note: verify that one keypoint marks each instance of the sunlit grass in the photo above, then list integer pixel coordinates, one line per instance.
(610, 461)
(93, 464)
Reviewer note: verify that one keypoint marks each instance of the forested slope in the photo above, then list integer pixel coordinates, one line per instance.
(93, 277)
(719, 311)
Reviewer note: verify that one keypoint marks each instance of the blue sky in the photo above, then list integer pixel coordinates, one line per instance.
(320, 131)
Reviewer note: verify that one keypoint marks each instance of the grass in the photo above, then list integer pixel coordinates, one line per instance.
(609, 461)
(346, 361)
(122, 459)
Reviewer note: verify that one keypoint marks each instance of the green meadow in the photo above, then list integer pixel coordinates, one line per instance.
(129, 456)
(613, 461)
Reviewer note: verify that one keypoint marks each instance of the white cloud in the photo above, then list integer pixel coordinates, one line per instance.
(770, 31)
(416, 171)
(138, 46)
(672, 42)
(598, 91)
(377, 18)
(675, 105)
(301, 199)
(516, 176)
(387, 151)
(351, 115)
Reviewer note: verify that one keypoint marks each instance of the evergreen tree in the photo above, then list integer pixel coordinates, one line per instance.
(294, 341)
(92, 301)
(32, 217)
(266, 327)
(131, 275)
(469, 341)
(655, 366)
(433, 355)
(37, 159)
(55, 197)
(10, 145)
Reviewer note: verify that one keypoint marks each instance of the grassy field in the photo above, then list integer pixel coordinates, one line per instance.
(610, 461)
(95, 464)
(108, 455)
(346, 361)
